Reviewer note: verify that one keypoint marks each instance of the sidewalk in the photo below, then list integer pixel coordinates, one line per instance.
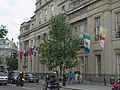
(87, 87)
(84, 86)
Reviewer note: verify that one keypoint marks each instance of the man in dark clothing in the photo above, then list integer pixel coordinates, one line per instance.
(19, 78)
(53, 77)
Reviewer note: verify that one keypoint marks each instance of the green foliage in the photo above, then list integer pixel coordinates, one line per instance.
(3, 31)
(0, 61)
(12, 63)
(60, 49)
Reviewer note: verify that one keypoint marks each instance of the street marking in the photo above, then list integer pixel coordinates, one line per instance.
(27, 88)
(22, 87)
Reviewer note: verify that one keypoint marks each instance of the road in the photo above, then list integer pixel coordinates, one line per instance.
(27, 86)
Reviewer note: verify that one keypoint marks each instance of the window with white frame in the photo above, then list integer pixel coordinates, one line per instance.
(82, 30)
(75, 30)
(118, 64)
(39, 18)
(98, 65)
(52, 9)
(40, 2)
(118, 25)
(63, 8)
(45, 15)
(81, 58)
(97, 27)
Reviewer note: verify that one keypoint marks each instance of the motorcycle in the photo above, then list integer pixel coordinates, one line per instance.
(56, 85)
(20, 82)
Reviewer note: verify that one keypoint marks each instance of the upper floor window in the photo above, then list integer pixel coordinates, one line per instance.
(63, 9)
(45, 1)
(52, 9)
(45, 14)
(97, 28)
(82, 29)
(39, 18)
(40, 2)
(75, 30)
(118, 25)
(40, 15)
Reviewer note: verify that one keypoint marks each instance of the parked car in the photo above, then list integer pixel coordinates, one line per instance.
(12, 76)
(31, 77)
(3, 78)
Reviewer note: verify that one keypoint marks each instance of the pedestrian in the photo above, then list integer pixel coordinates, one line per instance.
(81, 78)
(76, 78)
(70, 76)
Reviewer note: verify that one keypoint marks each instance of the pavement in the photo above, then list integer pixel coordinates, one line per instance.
(85, 86)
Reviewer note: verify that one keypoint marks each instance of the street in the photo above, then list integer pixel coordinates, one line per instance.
(27, 86)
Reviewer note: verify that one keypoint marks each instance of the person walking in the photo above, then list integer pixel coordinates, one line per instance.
(81, 78)
(70, 76)
(76, 78)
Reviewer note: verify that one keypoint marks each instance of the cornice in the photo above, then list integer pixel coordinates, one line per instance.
(43, 6)
(80, 7)
(34, 29)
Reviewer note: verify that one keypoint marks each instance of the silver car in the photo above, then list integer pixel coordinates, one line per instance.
(31, 77)
(3, 78)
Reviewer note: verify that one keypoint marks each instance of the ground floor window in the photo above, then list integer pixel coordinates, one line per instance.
(83, 64)
(98, 65)
(118, 63)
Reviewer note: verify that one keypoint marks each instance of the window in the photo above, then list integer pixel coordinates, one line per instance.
(82, 29)
(31, 44)
(40, 2)
(32, 25)
(118, 25)
(118, 63)
(45, 1)
(75, 30)
(39, 18)
(45, 14)
(82, 64)
(98, 65)
(52, 9)
(97, 26)
(63, 9)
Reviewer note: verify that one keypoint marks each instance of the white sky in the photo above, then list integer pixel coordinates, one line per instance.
(13, 13)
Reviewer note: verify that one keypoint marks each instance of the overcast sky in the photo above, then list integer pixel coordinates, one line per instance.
(15, 12)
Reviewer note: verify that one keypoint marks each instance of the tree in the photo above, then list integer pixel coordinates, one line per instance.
(60, 49)
(0, 61)
(3, 31)
(12, 63)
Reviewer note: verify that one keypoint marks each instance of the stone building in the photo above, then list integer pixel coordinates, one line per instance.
(83, 16)
(7, 48)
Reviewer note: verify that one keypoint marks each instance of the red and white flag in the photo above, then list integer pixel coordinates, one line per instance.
(102, 36)
(30, 52)
(21, 54)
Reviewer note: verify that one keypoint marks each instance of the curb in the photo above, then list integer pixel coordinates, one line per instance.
(73, 88)
(67, 87)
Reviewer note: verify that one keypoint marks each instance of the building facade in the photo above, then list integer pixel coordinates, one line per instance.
(7, 48)
(84, 16)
